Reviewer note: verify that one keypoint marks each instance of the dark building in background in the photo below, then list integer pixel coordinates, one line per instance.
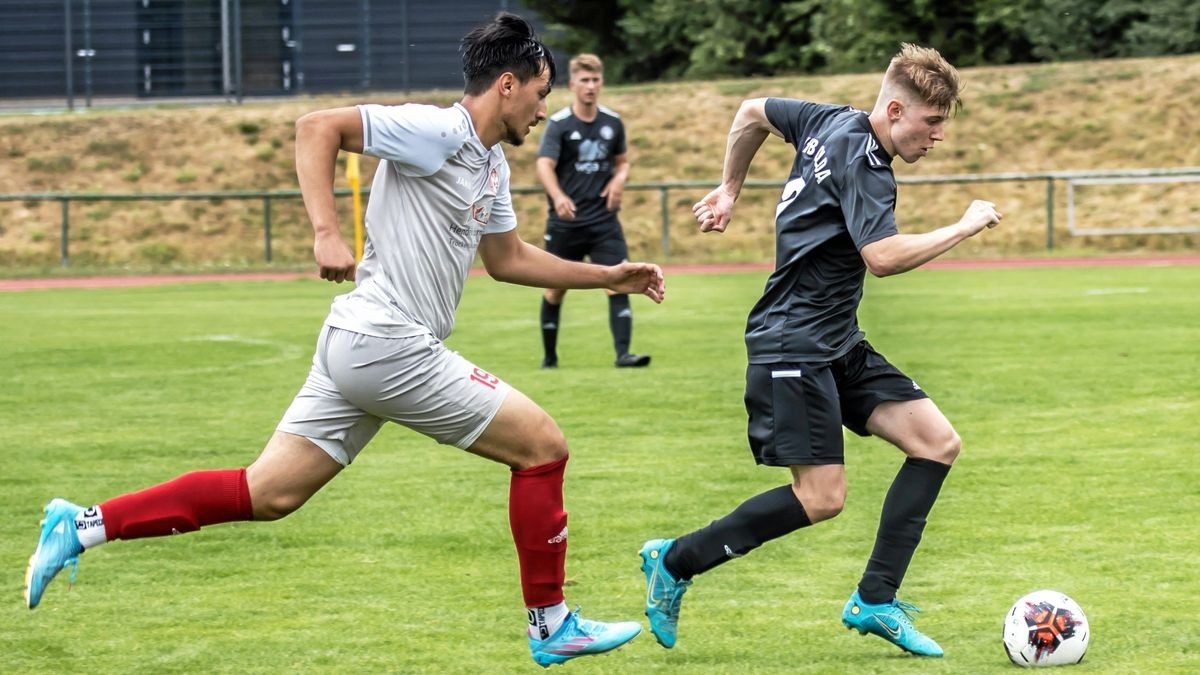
(233, 48)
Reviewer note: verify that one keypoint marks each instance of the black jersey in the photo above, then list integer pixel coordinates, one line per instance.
(584, 154)
(840, 196)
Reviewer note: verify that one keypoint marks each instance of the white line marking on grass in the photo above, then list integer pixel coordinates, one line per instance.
(286, 352)
(1115, 291)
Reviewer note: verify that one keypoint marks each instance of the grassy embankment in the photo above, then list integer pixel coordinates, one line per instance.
(1118, 114)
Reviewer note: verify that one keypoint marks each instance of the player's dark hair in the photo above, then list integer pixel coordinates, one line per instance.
(506, 45)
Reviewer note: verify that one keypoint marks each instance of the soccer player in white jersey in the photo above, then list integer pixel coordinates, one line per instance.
(440, 194)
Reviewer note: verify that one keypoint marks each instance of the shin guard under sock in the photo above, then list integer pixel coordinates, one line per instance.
(620, 322)
(908, 502)
(756, 521)
(539, 528)
(184, 504)
(549, 317)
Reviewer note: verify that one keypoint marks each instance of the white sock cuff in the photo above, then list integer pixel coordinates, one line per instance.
(545, 621)
(89, 527)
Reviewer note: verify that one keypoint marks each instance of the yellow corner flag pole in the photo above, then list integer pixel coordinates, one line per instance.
(356, 191)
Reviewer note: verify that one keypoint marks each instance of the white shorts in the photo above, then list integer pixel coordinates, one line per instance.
(358, 382)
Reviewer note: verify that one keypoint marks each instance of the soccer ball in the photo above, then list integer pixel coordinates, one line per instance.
(1045, 628)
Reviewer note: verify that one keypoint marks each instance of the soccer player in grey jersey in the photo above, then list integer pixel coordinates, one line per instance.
(441, 194)
(810, 369)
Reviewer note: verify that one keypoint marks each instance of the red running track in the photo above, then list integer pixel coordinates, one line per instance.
(13, 285)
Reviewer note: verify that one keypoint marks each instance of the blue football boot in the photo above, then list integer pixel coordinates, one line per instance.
(891, 621)
(57, 548)
(578, 636)
(664, 593)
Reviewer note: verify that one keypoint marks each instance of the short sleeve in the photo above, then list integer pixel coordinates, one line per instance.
(618, 147)
(789, 116)
(503, 217)
(419, 138)
(551, 143)
(868, 203)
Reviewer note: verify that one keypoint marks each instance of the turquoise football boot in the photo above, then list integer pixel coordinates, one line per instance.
(664, 593)
(578, 636)
(58, 547)
(891, 621)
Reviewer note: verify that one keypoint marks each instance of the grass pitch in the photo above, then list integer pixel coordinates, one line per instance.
(1074, 391)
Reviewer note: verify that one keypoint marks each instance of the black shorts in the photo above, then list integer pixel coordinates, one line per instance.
(602, 243)
(797, 410)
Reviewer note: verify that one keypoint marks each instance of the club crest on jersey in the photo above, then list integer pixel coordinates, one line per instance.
(494, 181)
(606, 132)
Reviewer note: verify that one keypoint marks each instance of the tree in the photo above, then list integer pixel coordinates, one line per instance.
(671, 39)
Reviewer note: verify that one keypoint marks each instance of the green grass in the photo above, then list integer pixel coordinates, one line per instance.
(1073, 389)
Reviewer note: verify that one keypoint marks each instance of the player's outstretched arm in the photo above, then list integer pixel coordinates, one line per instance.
(509, 259)
(319, 136)
(900, 253)
(750, 128)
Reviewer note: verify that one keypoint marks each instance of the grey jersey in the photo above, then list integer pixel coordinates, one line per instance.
(437, 191)
(840, 196)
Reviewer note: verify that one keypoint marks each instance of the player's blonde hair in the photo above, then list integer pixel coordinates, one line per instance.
(925, 74)
(588, 62)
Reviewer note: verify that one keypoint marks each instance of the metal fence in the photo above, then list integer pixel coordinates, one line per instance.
(150, 49)
(1050, 178)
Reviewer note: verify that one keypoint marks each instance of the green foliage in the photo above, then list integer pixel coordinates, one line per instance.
(1073, 390)
(159, 253)
(110, 147)
(249, 128)
(135, 174)
(51, 164)
(582, 26)
(671, 39)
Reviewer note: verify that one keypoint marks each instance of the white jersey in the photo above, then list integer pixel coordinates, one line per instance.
(436, 192)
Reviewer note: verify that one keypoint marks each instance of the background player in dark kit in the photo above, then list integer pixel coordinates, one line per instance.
(583, 166)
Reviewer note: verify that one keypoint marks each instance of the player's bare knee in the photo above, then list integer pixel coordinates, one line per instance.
(276, 506)
(547, 445)
(821, 502)
(951, 447)
(943, 448)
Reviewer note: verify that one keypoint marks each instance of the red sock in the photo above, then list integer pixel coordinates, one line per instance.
(184, 504)
(539, 527)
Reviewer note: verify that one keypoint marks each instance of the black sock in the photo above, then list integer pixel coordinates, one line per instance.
(620, 321)
(908, 502)
(756, 521)
(549, 317)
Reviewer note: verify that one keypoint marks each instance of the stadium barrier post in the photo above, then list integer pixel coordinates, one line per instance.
(66, 228)
(665, 216)
(267, 227)
(67, 56)
(1050, 213)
